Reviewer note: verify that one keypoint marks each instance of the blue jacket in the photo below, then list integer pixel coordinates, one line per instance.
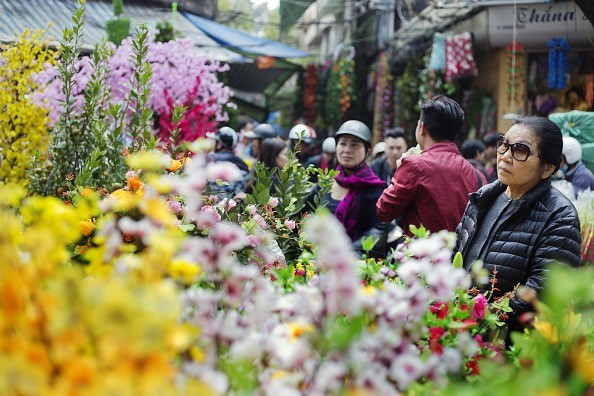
(581, 178)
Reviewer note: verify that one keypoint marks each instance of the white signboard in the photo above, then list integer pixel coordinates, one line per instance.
(538, 23)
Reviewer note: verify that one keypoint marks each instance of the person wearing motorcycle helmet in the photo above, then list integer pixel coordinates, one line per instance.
(325, 160)
(356, 189)
(573, 168)
(302, 138)
(260, 132)
(226, 139)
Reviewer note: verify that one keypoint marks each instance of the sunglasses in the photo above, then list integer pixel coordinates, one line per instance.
(519, 151)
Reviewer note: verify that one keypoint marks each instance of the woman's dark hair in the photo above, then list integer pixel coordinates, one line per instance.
(549, 138)
(269, 151)
(470, 148)
(443, 118)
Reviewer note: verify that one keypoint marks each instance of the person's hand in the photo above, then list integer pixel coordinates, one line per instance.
(240, 196)
(415, 150)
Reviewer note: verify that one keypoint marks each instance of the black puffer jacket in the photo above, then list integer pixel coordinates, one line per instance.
(539, 228)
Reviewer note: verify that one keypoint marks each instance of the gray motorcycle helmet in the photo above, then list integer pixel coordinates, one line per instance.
(262, 131)
(355, 128)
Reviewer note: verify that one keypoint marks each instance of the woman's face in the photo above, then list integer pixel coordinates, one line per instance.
(521, 176)
(350, 151)
(282, 159)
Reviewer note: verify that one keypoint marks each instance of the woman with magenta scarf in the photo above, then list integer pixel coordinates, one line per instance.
(356, 189)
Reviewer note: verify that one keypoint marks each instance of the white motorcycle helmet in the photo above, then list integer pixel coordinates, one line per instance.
(303, 132)
(329, 145)
(572, 150)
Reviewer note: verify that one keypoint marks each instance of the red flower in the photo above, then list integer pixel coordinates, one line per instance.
(473, 366)
(439, 309)
(435, 334)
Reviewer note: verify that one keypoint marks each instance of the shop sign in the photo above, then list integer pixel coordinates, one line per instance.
(538, 23)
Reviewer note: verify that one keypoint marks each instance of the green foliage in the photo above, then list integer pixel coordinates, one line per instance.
(293, 188)
(140, 125)
(117, 30)
(88, 147)
(118, 7)
(165, 32)
(408, 88)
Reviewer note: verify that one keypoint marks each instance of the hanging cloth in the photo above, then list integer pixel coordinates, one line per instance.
(459, 58)
(558, 48)
(437, 61)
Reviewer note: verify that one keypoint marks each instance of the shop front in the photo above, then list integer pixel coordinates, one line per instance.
(545, 59)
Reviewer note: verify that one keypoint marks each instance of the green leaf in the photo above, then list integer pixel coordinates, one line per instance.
(458, 260)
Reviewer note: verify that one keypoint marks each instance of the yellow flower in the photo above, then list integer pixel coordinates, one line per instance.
(86, 227)
(297, 329)
(548, 331)
(183, 271)
(87, 192)
(149, 160)
(582, 360)
(175, 165)
(134, 183)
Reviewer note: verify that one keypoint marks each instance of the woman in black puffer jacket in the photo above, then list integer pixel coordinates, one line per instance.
(519, 224)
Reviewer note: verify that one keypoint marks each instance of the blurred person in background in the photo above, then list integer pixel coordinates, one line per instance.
(256, 136)
(473, 151)
(573, 168)
(302, 139)
(226, 140)
(326, 159)
(395, 146)
(490, 142)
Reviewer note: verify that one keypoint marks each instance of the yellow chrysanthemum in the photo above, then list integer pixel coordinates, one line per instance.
(87, 227)
(183, 271)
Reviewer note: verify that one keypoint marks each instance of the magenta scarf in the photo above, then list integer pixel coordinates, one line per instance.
(347, 211)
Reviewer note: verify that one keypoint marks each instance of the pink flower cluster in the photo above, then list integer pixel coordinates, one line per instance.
(180, 76)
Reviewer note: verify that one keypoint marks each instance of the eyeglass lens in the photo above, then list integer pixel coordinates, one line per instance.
(519, 151)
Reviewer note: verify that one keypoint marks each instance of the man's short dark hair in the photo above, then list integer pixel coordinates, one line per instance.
(395, 133)
(471, 148)
(490, 140)
(443, 117)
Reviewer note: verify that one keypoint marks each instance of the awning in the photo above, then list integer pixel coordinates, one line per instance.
(233, 38)
(291, 11)
(432, 19)
(55, 15)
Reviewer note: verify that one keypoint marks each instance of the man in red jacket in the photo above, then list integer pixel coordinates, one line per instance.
(431, 189)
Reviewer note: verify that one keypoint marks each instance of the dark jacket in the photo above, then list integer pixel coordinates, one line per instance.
(231, 189)
(381, 168)
(539, 228)
(367, 222)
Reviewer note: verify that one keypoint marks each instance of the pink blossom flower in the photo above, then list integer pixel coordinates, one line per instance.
(207, 217)
(290, 224)
(251, 209)
(231, 204)
(480, 305)
(230, 235)
(273, 202)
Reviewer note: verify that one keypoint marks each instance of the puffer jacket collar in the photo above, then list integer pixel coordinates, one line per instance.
(487, 194)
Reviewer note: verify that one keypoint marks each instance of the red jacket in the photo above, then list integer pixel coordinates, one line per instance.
(430, 189)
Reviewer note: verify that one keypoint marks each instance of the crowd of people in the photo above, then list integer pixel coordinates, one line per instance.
(496, 194)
